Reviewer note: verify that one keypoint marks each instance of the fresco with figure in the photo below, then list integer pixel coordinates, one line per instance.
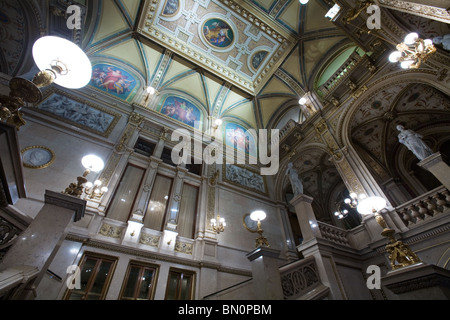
(114, 80)
(182, 110)
(237, 136)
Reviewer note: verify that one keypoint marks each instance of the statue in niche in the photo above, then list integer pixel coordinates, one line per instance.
(413, 141)
(296, 183)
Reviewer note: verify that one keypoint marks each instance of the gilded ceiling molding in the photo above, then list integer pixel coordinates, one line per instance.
(203, 49)
(422, 10)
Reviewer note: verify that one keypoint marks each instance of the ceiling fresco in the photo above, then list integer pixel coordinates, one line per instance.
(246, 62)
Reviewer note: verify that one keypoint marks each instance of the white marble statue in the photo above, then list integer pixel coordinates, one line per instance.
(444, 40)
(413, 141)
(296, 183)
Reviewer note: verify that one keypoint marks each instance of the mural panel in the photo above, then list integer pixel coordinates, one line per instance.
(218, 33)
(237, 136)
(74, 111)
(182, 110)
(114, 80)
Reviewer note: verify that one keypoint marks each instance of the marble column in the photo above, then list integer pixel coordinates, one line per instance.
(306, 218)
(38, 244)
(436, 165)
(266, 275)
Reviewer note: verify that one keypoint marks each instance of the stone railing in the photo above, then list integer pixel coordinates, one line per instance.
(333, 233)
(300, 278)
(428, 205)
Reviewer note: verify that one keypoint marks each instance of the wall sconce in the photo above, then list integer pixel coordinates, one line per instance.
(412, 51)
(92, 164)
(217, 123)
(150, 92)
(259, 216)
(60, 61)
(400, 255)
(218, 224)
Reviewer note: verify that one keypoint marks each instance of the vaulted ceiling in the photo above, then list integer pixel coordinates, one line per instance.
(270, 53)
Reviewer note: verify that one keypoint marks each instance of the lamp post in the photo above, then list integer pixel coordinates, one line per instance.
(60, 61)
(91, 163)
(400, 255)
(259, 216)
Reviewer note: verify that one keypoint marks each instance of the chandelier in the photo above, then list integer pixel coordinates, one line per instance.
(412, 51)
(351, 202)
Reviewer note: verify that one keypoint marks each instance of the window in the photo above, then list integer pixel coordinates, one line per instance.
(166, 157)
(157, 207)
(140, 282)
(180, 285)
(125, 195)
(144, 147)
(95, 276)
(188, 211)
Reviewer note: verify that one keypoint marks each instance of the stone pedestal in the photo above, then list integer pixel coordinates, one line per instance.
(436, 165)
(306, 217)
(266, 274)
(38, 244)
(419, 282)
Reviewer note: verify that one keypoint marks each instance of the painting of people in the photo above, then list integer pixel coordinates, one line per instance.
(238, 137)
(171, 8)
(113, 80)
(182, 110)
(218, 33)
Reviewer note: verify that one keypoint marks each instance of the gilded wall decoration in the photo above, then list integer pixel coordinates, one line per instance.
(37, 157)
(150, 240)
(184, 247)
(110, 231)
(222, 36)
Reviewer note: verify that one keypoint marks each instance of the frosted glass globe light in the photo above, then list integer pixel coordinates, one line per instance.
(70, 64)
(368, 205)
(411, 38)
(258, 215)
(302, 101)
(303, 1)
(395, 56)
(93, 163)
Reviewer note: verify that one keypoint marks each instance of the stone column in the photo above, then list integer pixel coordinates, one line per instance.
(39, 243)
(436, 165)
(266, 274)
(306, 218)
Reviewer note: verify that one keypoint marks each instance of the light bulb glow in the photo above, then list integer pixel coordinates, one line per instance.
(75, 67)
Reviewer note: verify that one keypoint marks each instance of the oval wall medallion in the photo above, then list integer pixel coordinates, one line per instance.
(218, 33)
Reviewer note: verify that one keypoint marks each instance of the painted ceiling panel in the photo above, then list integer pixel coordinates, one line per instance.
(277, 86)
(315, 50)
(233, 98)
(290, 15)
(111, 22)
(269, 106)
(245, 112)
(220, 37)
(153, 56)
(177, 68)
(292, 65)
(213, 88)
(129, 52)
(190, 84)
(132, 7)
(319, 22)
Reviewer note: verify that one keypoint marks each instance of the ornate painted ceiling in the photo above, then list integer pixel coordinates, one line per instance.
(246, 62)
